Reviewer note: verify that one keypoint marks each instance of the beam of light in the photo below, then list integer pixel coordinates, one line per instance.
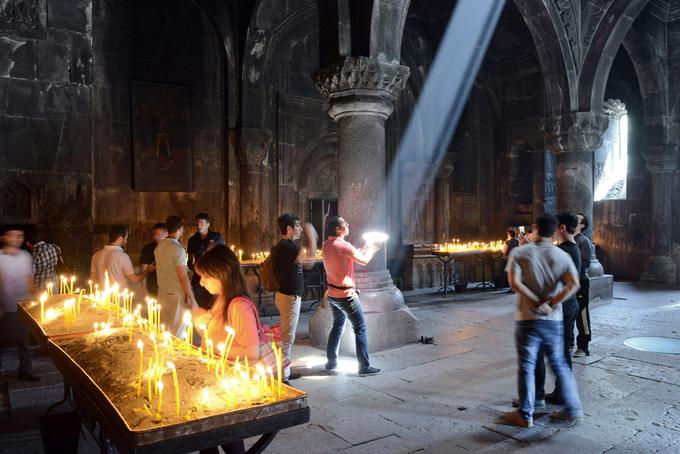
(345, 365)
(446, 89)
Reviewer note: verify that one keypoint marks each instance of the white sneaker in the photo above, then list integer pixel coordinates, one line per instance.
(579, 353)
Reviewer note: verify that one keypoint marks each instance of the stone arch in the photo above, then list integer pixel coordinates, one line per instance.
(653, 86)
(606, 40)
(219, 18)
(317, 157)
(16, 201)
(552, 46)
(270, 24)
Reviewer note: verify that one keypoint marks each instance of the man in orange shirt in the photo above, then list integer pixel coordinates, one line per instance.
(339, 257)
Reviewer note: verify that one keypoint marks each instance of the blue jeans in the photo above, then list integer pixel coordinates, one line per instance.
(531, 336)
(344, 308)
(569, 313)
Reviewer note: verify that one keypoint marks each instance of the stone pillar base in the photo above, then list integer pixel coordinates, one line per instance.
(659, 269)
(388, 329)
(601, 288)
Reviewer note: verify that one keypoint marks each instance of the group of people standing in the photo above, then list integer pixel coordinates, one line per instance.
(207, 280)
(551, 283)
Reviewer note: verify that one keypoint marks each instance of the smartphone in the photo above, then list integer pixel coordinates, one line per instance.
(521, 229)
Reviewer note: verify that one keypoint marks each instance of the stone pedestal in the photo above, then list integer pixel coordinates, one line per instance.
(601, 288)
(661, 163)
(360, 93)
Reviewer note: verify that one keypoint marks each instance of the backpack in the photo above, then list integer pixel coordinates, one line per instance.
(268, 273)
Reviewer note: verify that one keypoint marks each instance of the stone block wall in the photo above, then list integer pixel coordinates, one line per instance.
(46, 76)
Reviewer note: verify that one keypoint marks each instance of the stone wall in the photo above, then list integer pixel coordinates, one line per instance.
(46, 88)
(65, 117)
(164, 42)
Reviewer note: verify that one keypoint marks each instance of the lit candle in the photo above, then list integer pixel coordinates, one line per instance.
(90, 284)
(73, 279)
(152, 336)
(230, 339)
(50, 285)
(159, 385)
(149, 377)
(190, 330)
(279, 370)
(43, 298)
(240, 255)
(247, 379)
(209, 351)
(140, 346)
(80, 297)
(219, 369)
(172, 367)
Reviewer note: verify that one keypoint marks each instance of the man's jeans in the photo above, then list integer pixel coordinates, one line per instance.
(569, 314)
(289, 310)
(342, 309)
(13, 333)
(530, 337)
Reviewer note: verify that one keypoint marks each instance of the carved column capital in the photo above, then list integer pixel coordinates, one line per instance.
(574, 132)
(662, 158)
(254, 145)
(361, 86)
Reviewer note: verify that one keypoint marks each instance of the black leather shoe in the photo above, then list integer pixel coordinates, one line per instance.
(331, 365)
(294, 375)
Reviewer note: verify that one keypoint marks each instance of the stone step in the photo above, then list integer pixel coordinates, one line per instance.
(21, 393)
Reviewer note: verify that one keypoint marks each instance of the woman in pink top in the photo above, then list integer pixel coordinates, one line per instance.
(221, 275)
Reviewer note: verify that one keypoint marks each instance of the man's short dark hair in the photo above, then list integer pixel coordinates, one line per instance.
(10, 227)
(173, 224)
(287, 220)
(204, 216)
(117, 231)
(584, 221)
(569, 220)
(546, 224)
(512, 233)
(159, 226)
(333, 224)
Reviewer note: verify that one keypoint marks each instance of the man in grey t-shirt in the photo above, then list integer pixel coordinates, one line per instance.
(543, 276)
(174, 288)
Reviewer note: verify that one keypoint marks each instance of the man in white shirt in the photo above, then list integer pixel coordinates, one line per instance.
(16, 284)
(174, 288)
(544, 276)
(113, 260)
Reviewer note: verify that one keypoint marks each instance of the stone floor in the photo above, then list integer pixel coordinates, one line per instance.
(446, 397)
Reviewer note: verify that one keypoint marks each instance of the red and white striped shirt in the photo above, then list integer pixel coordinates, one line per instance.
(115, 261)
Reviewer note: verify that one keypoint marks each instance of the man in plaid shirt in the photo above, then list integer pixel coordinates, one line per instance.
(46, 258)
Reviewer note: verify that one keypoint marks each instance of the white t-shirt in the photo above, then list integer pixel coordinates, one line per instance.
(15, 270)
(542, 266)
(114, 260)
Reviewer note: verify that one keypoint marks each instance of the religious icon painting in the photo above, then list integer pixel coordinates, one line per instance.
(161, 137)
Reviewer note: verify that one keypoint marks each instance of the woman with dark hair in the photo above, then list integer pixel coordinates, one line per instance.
(221, 275)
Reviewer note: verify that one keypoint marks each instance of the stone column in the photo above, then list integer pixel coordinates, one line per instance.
(360, 92)
(442, 203)
(254, 147)
(661, 163)
(574, 137)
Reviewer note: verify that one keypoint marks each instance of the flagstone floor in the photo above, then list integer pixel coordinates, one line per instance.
(447, 397)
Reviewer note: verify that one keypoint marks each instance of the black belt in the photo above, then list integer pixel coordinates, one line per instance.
(337, 287)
